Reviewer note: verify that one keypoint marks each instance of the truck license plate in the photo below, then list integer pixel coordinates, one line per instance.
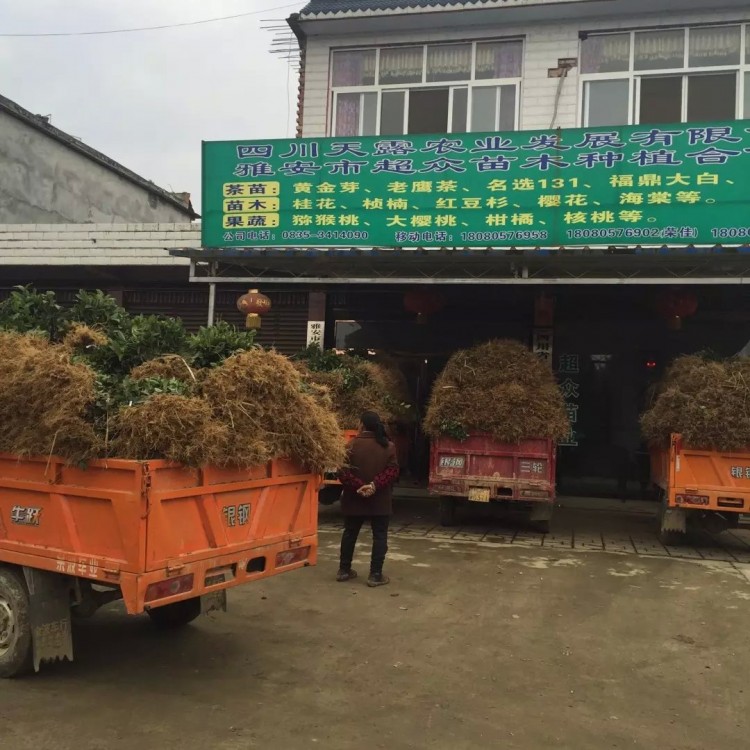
(479, 494)
(452, 462)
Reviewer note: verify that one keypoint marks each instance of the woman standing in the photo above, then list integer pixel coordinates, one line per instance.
(368, 477)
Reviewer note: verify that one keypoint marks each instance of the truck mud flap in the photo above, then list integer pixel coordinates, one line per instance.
(541, 512)
(214, 602)
(674, 519)
(49, 615)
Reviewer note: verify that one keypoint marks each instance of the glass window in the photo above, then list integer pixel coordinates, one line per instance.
(507, 108)
(460, 110)
(354, 68)
(484, 108)
(428, 111)
(661, 100)
(608, 53)
(369, 114)
(747, 96)
(498, 60)
(347, 114)
(712, 97)
(449, 62)
(392, 113)
(606, 102)
(659, 50)
(714, 46)
(401, 65)
(747, 44)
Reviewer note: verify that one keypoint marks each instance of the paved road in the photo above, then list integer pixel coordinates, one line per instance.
(474, 645)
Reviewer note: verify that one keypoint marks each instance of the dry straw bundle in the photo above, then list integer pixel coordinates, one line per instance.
(251, 408)
(45, 400)
(259, 395)
(706, 401)
(354, 385)
(169, 366)
(499, 388)
(177, 428)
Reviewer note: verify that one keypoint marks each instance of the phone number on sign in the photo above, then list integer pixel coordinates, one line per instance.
(682, 233)
(511, 236)
(304, 235)
(731, 233)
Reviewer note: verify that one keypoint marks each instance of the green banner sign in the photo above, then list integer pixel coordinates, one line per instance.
(643, 185)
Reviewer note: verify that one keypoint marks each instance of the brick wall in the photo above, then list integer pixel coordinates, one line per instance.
(95, 244)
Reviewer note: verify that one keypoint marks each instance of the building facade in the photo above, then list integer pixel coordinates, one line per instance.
(376, 68)
(398, 68)
(51, 177)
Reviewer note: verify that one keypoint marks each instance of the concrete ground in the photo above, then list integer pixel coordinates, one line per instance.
(475, 644)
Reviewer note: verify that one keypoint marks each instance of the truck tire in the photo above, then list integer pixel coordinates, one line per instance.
(448, 512)
(176, 615)
(16, 647)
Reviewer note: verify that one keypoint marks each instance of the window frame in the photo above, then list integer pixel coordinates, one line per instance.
(634, 77)
(451, 85)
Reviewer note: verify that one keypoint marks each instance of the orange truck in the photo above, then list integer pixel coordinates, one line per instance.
(330, 490)
(702, 489)
(166, 539)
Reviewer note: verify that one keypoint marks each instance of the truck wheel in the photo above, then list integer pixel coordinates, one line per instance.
(448, 511)
(16, 650)
(176, 615)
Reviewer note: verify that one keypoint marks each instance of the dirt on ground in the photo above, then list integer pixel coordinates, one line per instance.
(470, 647)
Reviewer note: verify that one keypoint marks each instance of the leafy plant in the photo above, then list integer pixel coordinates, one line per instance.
(212, 345)
(143, 337)
(454, 429)
(349, 367)
(28, 310)
(98, 310)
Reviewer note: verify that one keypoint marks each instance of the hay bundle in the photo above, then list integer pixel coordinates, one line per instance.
(355, 385)
(45, 400)
(167, 367)
(259, 396)
(704, 400)
(81, 337)
(499, 388)
(178, 428)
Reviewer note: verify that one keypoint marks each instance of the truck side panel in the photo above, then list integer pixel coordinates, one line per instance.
(79, 520)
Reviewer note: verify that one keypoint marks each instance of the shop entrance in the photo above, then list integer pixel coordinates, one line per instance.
(610, 345)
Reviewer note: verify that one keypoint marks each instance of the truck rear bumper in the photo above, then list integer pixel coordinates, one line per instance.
(494, 491)
(189, 579)
(725, 500)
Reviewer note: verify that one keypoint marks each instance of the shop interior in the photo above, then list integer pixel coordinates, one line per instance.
(610, 345)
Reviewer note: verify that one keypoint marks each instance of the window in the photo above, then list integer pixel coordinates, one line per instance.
(434, 88)
(667, 75)
(606, 102)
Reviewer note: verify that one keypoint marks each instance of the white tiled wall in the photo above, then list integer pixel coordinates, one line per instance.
(95, 244)
(545, 43)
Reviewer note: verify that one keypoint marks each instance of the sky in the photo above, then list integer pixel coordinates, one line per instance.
(147, 99)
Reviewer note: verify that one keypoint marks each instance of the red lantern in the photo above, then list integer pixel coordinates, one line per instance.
(423, 302)
(253, 305)
(675, 306)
